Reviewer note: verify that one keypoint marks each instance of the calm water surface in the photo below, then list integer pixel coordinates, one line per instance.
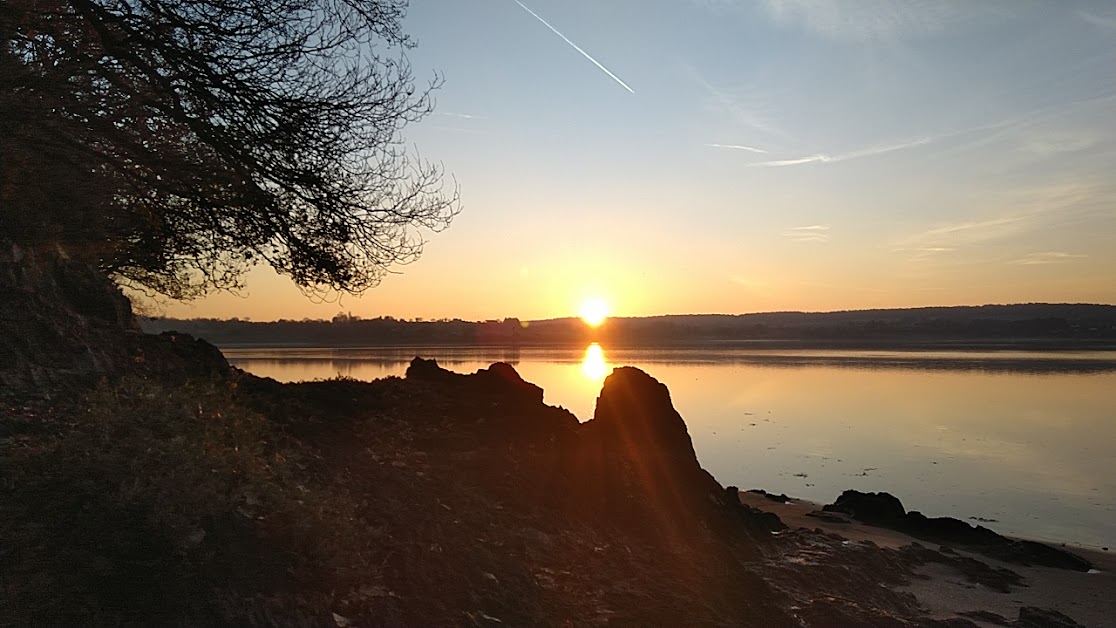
(1025, 439)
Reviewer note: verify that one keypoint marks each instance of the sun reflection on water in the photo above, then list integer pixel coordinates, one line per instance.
(594, 365)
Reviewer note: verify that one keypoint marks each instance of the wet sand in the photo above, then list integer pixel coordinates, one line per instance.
(1088, 598)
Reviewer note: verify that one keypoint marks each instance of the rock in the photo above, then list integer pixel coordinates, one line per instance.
(1032, 617)
(427, 369)
(884, 510)
(781, 498)
(875, 508)
(172, 358)
(63, 324)
(502, 378)
(754, 519)
(831, 517)
(634, 464)
(499, 381)
(948, 529)
(635, 418)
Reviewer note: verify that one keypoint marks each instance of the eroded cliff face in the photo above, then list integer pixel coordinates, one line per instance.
(62, 322)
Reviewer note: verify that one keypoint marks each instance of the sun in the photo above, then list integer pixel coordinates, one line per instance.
(594, 312)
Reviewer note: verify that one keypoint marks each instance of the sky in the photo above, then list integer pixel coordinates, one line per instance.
(733, 156)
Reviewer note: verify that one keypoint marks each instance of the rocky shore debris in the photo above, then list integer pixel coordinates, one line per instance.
(886, 511)
(1029, 617)
(781, 498)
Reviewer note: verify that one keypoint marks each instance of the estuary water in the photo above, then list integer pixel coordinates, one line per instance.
(1021, 442)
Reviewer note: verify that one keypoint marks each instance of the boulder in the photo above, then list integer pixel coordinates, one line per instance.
(502, 378)
(881, 509)
(635, 418)
(634, 463)
(886, 511)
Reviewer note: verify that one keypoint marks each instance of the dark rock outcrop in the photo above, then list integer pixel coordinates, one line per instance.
(63, 324)
(172, 359)
(880, 509)
(636, 418)
(636, 459)
(1029, 617)
(633, 464)
(755, 519)
(781, 498)
(886, 511)
(499, 381)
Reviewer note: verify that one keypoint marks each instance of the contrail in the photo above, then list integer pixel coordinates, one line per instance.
(738, 147)
(576, 47)
(856, 154)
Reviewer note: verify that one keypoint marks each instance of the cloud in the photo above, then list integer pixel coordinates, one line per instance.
(856, 154)
(867, 20)
(1100, 21)
(1022, 129)
(810, 233)
(924, 253)
(735, 106)
(463, 116)
(1048, 257)
(738, 147)
(969, 232)
(455, 129)
(1020, 218)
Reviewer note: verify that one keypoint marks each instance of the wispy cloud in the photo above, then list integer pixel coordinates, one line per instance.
(455, 129)
(1048, 257)
(1022, 127)
(810, 233)
(750, 149)
(923, 253)
(463, 116)
(576, 47)
(856, 154)
(1018, 219)
(739, 110)
(969, 232)
(1100, 21)
(866, 20)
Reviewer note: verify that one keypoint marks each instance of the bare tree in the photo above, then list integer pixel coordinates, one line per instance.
(176, 143)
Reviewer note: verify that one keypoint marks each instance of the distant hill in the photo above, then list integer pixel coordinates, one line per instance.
(1086, 325)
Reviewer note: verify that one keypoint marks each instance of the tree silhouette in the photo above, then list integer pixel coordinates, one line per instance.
(176, 143)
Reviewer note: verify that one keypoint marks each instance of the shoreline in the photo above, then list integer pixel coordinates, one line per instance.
(1084, 596)
(796, 507)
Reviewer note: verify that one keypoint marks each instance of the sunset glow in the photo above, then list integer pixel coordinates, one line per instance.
(948, 173)
(593, 312)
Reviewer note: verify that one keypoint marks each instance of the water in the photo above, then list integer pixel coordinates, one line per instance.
(1026, 440)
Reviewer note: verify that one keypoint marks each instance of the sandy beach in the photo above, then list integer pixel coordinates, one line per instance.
(945, 593)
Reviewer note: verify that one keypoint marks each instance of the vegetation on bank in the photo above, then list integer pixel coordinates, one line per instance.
(139, 503)
(1065, 323)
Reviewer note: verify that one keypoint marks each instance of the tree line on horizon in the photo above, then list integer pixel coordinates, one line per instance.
(1004, 322)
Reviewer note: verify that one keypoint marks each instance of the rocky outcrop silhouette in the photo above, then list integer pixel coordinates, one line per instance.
(886, 511)
(64, 326)
(62, 323)
(499, 381)
(637, 462)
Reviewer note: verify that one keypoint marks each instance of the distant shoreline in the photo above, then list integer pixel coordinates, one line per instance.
(852, 344)
(1050, 356)
(1034, 327)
